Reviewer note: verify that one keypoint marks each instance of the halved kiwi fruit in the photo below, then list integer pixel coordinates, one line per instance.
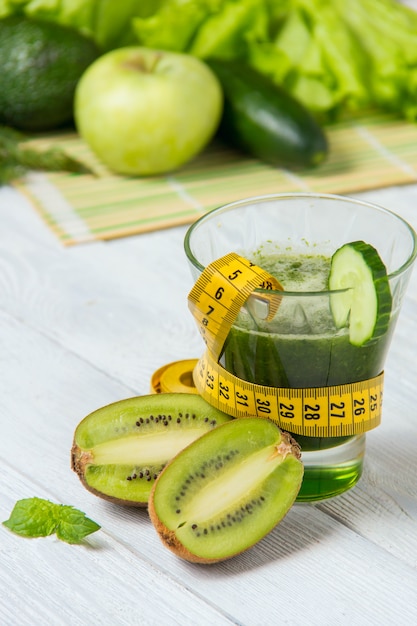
(226, 490)
(119, 450)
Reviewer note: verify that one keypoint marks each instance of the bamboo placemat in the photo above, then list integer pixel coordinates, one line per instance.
(366, 153)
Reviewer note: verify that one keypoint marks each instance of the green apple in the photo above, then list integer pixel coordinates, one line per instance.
(144, 111)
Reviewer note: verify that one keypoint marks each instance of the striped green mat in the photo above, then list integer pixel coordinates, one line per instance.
(366, 153)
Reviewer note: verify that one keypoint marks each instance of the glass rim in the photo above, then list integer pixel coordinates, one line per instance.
(281, 196)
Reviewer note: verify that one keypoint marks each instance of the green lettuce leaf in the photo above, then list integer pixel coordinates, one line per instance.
(387, 32)
(228, 33)
(75, 13)
(108, 22)
(175, 24)
(337, 56)
(316, 58)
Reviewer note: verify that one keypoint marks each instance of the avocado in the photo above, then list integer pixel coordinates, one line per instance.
(41, 63)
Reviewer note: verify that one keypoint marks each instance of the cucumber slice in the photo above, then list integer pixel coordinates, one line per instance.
(366, 305)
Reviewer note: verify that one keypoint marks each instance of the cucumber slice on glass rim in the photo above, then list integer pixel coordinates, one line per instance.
(366, 304)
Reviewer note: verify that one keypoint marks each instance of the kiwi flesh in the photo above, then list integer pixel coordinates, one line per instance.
(226, 490)
(119, 450)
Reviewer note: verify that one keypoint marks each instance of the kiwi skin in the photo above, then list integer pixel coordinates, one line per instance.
(131, 420)
(285, 447)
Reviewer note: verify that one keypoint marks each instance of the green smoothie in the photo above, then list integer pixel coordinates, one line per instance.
(301, 347)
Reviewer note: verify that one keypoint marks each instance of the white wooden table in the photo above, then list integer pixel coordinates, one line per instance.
(84, 326)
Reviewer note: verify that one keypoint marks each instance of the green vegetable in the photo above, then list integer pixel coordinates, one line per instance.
(35, 517)
(345, 56)
(332, 55)
(263, 120)
(335, 56)
(16, 158)
(106, 21)
(40, 68)
(205, 28)
(364, 302)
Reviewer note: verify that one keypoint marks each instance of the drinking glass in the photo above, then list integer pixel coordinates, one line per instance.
(300, 347)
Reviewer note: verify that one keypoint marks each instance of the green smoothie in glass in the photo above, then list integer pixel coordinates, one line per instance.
(330, 328)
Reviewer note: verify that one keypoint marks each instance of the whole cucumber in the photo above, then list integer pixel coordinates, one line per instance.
(262, 119)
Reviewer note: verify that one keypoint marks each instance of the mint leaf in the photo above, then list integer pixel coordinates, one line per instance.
(32, 517)
(73, 525)
(35, 517)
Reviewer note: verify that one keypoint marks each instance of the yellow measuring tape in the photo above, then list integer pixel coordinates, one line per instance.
(215, 301)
